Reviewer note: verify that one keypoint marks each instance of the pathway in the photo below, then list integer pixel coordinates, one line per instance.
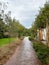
(24, 55)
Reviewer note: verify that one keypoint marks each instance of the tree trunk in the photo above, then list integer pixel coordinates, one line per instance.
(47, 34)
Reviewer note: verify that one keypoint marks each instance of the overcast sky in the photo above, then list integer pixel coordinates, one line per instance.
(25, 10)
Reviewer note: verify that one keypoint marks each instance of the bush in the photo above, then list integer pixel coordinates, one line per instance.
(31, 38)
(42, 52)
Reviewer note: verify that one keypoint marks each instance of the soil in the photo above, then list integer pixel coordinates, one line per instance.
(24, 55)
(7, 51)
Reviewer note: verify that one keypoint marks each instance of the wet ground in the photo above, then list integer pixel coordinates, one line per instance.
(24, 55)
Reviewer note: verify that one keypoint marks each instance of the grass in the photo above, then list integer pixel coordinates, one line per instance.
(6, 41)
(42, 52)
(6, 50)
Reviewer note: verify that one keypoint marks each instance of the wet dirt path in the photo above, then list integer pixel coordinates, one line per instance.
(24, 55)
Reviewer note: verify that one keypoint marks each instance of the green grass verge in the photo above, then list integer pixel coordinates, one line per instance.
(42, 52)
(6, 41)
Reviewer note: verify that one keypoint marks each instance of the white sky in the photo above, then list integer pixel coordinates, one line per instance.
(24, 10)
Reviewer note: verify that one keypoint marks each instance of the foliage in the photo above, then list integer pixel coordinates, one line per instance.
(43, 17)
(31, 38)
(42, 52)
(33, 32)
(41, 21)
(10, 26)
(2, 28)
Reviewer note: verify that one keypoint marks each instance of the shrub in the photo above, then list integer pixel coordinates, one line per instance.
(31, 38)
(42, 52)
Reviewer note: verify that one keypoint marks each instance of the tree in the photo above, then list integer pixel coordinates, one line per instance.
(43, 17)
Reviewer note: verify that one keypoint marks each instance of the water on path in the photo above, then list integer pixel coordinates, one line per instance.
(24, 55)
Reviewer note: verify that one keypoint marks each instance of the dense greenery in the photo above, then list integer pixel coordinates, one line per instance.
(33, 32)
(42, 52)
(42, 19)
(10, 27)
(14, 28)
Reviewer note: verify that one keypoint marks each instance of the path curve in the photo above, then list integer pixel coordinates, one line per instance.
(24, 55)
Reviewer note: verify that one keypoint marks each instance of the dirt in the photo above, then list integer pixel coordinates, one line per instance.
(7, 51)
(24, 55)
